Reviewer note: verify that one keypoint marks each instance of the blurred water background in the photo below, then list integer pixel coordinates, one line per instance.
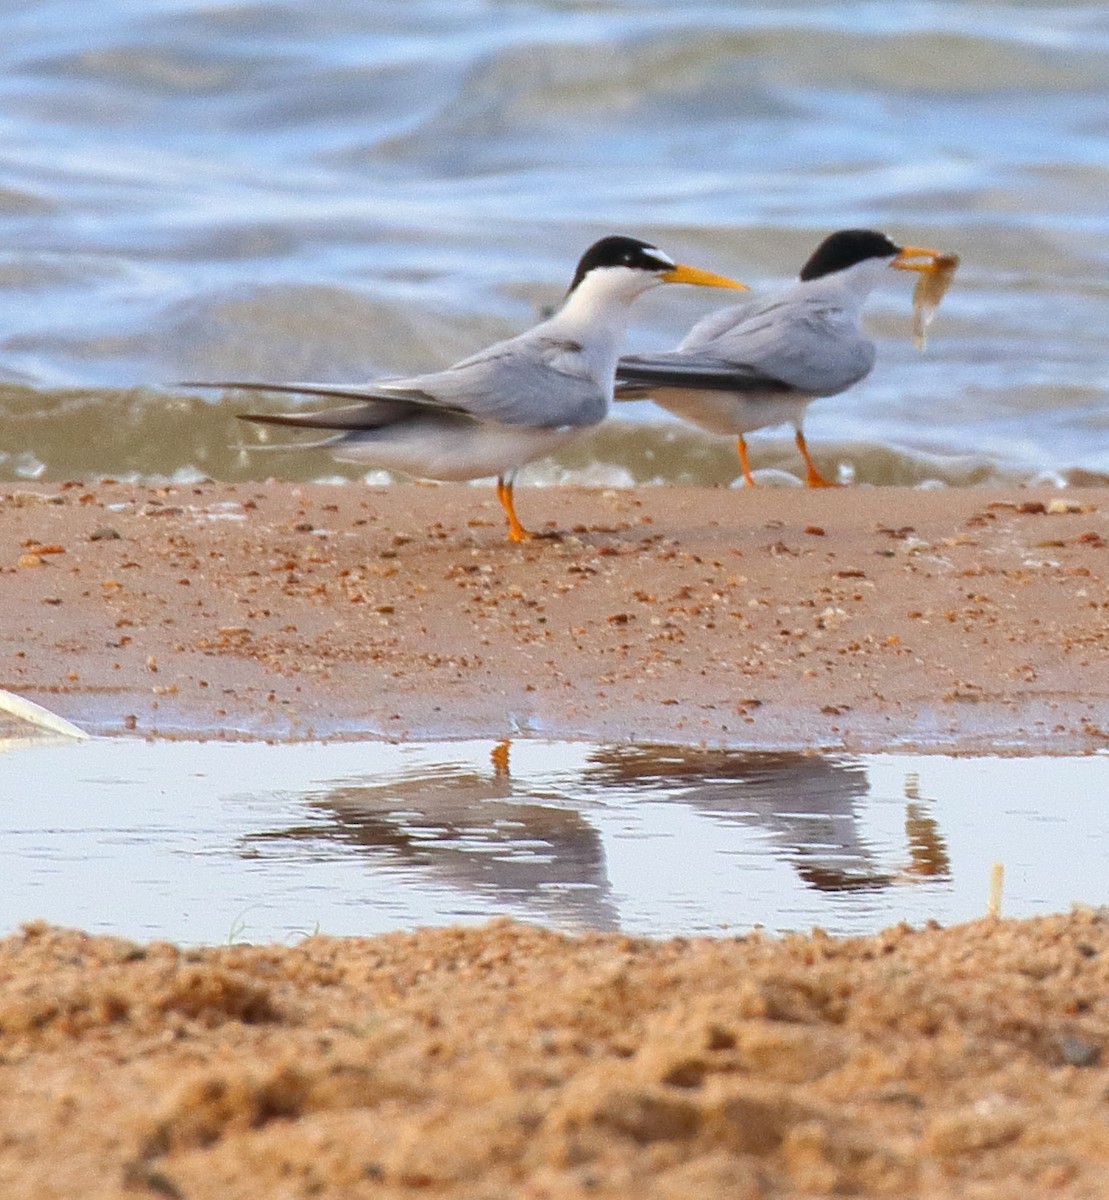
(279, 189)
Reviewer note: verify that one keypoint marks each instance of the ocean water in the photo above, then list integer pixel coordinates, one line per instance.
(278, 189)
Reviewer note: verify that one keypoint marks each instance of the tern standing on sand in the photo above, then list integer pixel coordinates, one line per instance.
(505, 406)
(756, 365)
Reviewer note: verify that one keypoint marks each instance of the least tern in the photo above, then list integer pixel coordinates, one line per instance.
(516, 401)
(754, 365)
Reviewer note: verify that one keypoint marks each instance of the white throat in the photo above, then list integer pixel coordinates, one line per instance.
(602, 300)
(595, 316)
(851, 287)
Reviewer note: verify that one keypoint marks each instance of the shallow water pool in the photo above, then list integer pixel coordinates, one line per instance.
(205, 842)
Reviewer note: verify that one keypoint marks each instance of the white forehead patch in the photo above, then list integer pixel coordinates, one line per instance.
(655, 255)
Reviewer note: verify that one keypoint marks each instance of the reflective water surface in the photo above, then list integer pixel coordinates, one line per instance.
(208, 841)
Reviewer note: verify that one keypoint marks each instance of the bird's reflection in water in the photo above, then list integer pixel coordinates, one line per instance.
(528, 844)
(467, 829)
(808, 805)
(928, 857)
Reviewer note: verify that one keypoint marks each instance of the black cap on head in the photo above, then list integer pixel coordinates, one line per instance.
(844, 249)
(617, 251)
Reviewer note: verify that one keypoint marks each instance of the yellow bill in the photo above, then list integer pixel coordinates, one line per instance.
(916, 258)
(683, 274)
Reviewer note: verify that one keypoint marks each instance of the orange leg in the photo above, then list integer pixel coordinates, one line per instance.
(498, 756)
(516, 531)
(741, 450)
(813, 477)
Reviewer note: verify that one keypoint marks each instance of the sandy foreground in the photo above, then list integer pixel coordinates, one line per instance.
(509, 1061)
(514, 1062)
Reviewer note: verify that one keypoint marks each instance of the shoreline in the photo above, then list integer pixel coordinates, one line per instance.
(854, 619)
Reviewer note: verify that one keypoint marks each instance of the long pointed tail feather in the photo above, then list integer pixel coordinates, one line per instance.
(378, 404)
(336, 391)
(350, 417)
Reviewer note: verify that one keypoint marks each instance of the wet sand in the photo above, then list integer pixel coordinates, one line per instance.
(866, 619)
(509, 1061)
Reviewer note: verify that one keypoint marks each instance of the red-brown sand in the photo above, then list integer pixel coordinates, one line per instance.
(857, 618)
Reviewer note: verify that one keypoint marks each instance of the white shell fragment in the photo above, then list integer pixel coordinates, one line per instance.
(35, 714)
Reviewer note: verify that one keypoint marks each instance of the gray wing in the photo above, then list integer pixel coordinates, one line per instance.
(638, 374)
(533, 380)
(803, 343)
(536, 379)
(721, 321)
(798, 342)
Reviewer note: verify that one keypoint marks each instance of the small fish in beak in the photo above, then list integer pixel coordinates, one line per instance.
(930, 289)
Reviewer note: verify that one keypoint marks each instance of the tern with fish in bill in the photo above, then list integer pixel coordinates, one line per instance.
(755, 365)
